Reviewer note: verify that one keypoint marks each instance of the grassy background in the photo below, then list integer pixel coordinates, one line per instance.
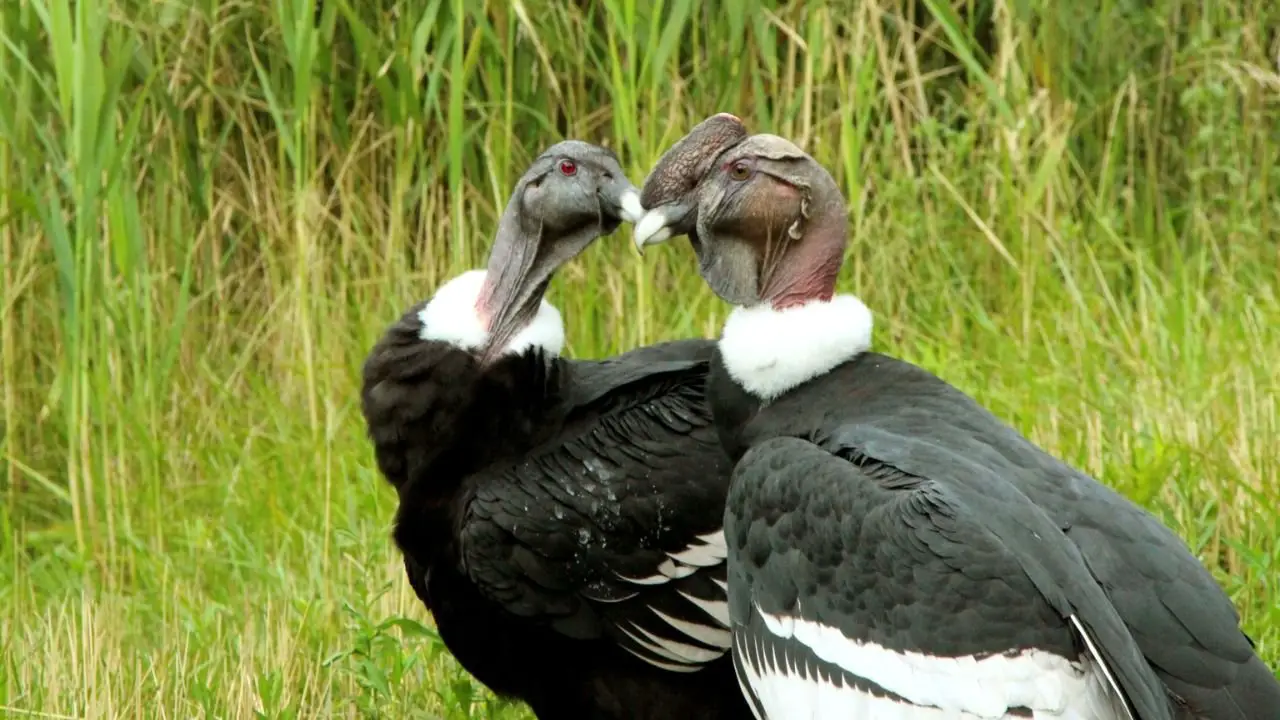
(209, 209)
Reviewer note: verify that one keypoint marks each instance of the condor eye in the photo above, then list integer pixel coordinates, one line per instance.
(568, 168)
(740, 171)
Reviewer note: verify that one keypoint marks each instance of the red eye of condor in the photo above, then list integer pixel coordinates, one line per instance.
(568, 168)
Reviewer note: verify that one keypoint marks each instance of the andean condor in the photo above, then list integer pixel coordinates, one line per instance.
(559, 518)
(896, 550)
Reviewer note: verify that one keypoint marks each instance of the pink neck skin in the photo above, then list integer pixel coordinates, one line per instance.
(808, 273)
(483, 301)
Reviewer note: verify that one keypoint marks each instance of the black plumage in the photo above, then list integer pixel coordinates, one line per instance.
(880, 519)
(911, 542)
(901, 416)
(550, 509)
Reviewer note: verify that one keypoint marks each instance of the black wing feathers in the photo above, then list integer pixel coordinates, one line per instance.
(1053, 563)
(580, 532)
(1186, 625)
(630, 377)
(883, 556)
(909, 562)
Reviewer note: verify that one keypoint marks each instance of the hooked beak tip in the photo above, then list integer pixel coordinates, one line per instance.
(632, 210)
(651, 229)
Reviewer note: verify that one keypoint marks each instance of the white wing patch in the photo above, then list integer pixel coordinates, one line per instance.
(706, 555)
(665, 653)
(673, 650)
(718, 609)
(656, 650)
(1102, 666)
(748, 674)
(779, 692)
(671, 654)
(706, 551)
(971, 687)
(715, 637)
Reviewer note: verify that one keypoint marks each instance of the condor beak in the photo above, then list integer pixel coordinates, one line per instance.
(661, 223)
(622, 199)
(630, 207)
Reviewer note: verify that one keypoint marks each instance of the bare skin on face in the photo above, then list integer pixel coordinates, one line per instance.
(684, 163)
(767, 221)
(572, 194)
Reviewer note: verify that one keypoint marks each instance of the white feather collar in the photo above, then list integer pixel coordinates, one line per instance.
(769, 352)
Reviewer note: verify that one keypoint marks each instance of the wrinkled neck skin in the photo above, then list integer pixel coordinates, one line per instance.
(806, 283)
(807, 271)
(501, 273)
(525, 255)
(514, 283)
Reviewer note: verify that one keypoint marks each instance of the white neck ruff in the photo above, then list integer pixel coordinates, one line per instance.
(769, 352)
(451, 317)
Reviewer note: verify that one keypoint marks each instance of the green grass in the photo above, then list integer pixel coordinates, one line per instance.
(210, 209)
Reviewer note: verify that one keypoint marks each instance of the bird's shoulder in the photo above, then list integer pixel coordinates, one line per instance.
(427, 401)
